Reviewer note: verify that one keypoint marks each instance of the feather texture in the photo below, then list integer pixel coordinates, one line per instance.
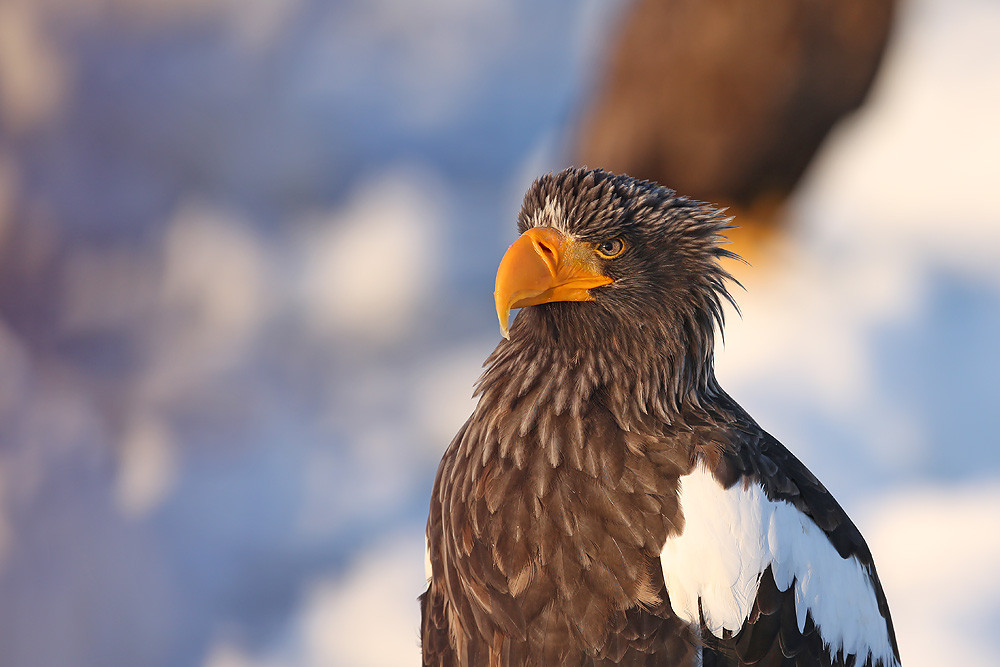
(733, 535)
(608, 504)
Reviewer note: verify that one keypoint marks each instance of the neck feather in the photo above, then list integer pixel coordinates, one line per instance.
(647, 377)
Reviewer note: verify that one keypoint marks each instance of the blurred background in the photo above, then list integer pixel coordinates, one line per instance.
(247, 251)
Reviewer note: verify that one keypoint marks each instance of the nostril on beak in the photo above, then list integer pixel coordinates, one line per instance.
(548, 253)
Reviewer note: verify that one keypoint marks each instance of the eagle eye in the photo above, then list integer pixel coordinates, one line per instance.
(611, 248)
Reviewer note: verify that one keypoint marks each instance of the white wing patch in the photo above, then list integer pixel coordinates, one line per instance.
(731, 536)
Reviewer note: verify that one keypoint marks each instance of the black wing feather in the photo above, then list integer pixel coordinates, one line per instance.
(771, 634)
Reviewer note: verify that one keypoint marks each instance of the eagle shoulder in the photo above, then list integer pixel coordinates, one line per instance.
(770, 539)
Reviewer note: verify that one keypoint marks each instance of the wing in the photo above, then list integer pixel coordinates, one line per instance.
(771, 564)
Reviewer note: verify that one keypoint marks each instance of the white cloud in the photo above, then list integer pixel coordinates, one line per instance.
(937, 550)
(147, 466)
(370, 617)
(34, 76)
(367, 269)
(444, 391)
(217, 285)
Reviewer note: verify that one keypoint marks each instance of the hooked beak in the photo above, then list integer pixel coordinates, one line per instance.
(542, 266)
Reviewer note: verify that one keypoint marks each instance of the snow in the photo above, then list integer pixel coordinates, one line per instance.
(221, 421)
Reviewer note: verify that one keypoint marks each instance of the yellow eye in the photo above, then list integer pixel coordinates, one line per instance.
(611, 249)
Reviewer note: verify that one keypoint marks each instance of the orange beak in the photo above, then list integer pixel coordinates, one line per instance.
(542, 266)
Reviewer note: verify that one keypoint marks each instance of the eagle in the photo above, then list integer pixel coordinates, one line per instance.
(728, 101)
(607, 503)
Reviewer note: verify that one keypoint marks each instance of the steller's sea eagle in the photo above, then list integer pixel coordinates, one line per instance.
(607, 503)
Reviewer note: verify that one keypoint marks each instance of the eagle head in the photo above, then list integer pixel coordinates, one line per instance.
(609, 262)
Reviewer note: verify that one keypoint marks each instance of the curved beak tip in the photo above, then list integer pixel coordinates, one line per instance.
(503, 314)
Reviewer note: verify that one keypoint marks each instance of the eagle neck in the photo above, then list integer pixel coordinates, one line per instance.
(644, 382)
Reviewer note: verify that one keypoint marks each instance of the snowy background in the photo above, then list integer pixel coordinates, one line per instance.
(246, 261)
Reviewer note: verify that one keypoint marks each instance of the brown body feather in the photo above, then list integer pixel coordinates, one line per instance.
(552, 504)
